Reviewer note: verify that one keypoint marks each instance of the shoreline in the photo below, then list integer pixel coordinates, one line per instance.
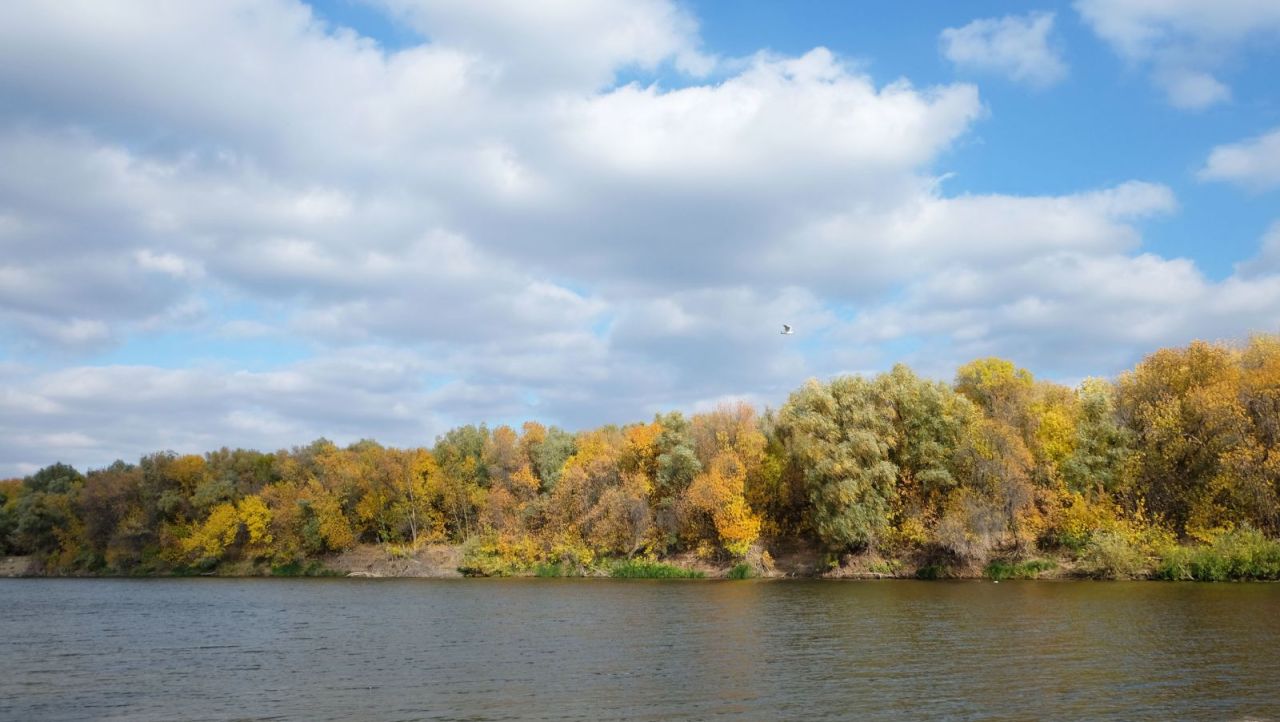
(442, 561)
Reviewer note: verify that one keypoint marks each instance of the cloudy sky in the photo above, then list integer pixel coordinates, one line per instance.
(257, 222)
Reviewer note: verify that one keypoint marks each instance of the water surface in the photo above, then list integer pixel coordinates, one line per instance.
(603, 650)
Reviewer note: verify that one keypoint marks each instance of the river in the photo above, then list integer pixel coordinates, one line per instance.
(313, 649)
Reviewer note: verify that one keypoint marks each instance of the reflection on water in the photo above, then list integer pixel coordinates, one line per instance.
(599, 650)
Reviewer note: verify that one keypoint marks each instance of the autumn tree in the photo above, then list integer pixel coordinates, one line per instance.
(1097, 458)
(1252, 469)
(43, 511)
(930, 423)
(841, 434)
(1184, 410)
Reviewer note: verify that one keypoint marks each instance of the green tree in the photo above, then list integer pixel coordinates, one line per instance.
(841, 433)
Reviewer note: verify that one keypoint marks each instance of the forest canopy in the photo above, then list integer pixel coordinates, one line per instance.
(1184, 449)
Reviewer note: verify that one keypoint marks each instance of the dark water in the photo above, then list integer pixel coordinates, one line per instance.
(600, 650)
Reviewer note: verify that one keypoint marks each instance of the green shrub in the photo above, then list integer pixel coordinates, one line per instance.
(740, 571)
(1110, 555)
(638, 569)
(303, 569)
(887, 567)
(1241, 554)
(481, 557)
(1030, 569)
(932, 571)
(556, 569)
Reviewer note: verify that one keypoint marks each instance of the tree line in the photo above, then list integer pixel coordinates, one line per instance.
(1182, 449)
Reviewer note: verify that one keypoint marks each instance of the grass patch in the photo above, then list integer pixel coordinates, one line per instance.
(636, 569)
(303, 569)
(556, 569)
(1244, 554)
(1030, 569)
(400, 551)
(740, 571)
(885, 567)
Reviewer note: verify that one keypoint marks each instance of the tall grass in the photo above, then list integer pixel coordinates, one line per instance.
(557, 569)
(1238, 555)
(1030, 569)
(638, 569)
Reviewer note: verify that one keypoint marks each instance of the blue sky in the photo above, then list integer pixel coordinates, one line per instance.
(258, 222)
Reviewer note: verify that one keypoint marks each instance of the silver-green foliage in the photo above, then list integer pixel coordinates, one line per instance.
(841, 434)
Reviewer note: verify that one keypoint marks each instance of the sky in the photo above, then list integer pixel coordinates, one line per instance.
(259, 222)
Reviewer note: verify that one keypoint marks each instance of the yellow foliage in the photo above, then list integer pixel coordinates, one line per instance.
(209, 540)
(335, 530)
(911, 531)
(640, 453)
(188, 471)
(1079, 517)
(1055, 429)
(719, 492)
(285, 502)
(586, 474)
(523, 483)
(572, 551)
(256, 518)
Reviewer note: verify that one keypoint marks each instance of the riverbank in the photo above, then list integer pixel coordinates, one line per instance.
(1241, 555)
(18, 566)
(1233, 557)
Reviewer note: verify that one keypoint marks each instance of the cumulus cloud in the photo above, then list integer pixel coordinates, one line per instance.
(1253, 163)
(1192, 89)
(489, 225)
(561, 43)
(90, 415)
(1016, 46)
(1082, 310)
(1183, 42)
(1267, 261)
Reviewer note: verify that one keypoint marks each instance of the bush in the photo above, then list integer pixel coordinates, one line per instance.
(481, 557)
(557, 569)
(1111, 555)
(1080, 518)
(1237, 555)
(637, 569)
(741, 571)
(885, 567)
(932, 571)
(1030, 569)
(303, 569)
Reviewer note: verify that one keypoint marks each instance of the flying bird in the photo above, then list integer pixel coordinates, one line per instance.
(786, 330)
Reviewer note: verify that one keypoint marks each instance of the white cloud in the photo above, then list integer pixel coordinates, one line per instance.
(487, 226)
(1192, 89)
(1253, 163)
(1267, 261)
(1017, 46)
(92, 415)
(167, 263)
(561, 43)
(1083, 311)
(1184, 42)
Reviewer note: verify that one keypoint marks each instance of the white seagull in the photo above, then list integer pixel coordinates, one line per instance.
(786, 330)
